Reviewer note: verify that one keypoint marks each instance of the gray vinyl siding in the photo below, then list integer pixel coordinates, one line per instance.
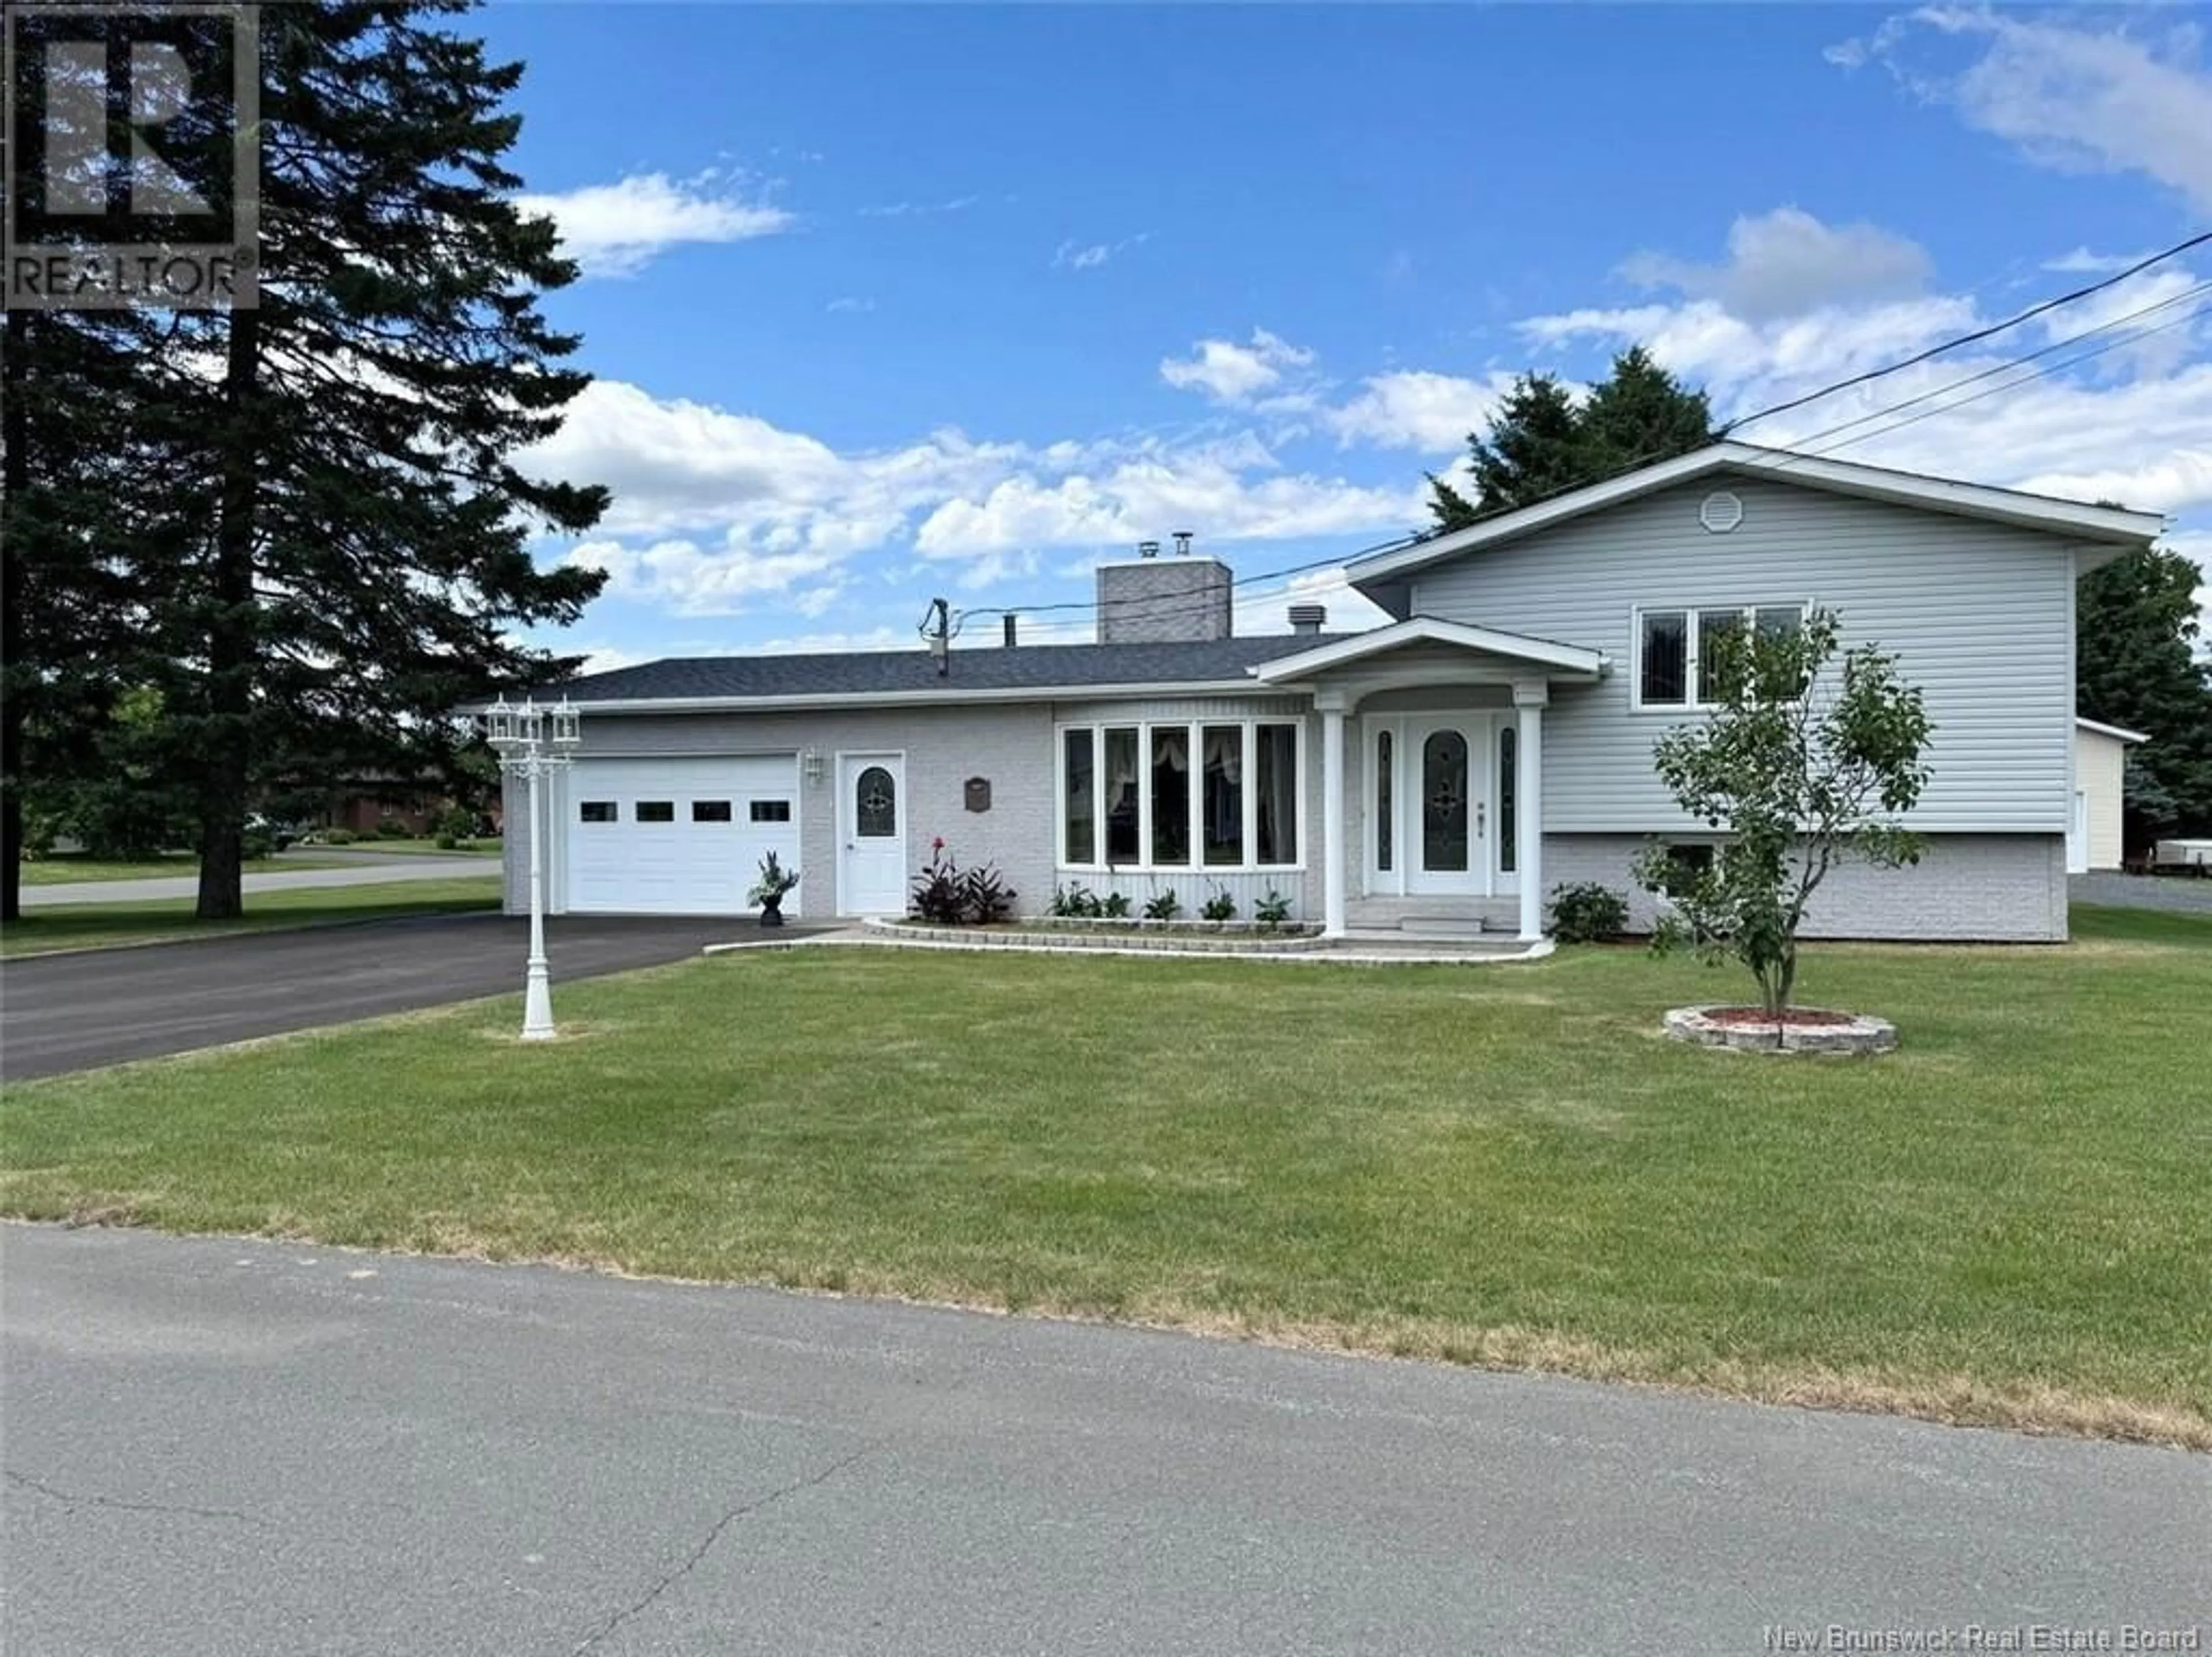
(1980, 614)
(1988, 888)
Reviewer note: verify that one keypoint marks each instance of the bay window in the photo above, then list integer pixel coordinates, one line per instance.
(1180, 794)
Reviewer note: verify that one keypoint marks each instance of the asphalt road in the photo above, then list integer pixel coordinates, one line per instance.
(236, 1448)
(72, 1011)
(365, 870)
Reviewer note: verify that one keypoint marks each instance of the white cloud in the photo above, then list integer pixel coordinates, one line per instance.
(1786, 261)
(1234, 374)
(717, 512)
(850, 303)
(2071, 97)
(900, 210)
(617, 229)
(1079, 256)
(1431, 413)
(2081, 261)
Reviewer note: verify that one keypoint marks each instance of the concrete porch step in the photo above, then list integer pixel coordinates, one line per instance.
(1435, 916)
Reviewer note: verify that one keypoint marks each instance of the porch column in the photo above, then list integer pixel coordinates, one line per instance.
(1529, 697)
(1332, 706)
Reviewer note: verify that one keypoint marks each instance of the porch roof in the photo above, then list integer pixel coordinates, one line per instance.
(1554, 658)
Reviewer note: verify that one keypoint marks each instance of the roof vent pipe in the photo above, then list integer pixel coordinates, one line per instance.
(1308, 618)
(1148, 549)
(1010, 632)
(1183, 543)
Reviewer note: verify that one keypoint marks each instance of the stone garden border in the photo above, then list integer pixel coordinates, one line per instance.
(1858, 1033)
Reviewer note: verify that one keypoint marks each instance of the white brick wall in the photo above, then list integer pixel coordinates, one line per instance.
(1999, 888)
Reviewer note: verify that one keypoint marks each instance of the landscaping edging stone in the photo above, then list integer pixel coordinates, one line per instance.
(1859, 1033)
(1073, 938)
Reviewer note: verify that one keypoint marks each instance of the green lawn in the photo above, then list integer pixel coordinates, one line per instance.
(89, 926)
(2008, 1221)
(68, 868)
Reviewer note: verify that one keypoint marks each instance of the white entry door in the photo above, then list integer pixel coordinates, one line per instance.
(871, 834)
(1447, 773)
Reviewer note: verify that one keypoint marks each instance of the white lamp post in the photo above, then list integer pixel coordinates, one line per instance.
(518, 735)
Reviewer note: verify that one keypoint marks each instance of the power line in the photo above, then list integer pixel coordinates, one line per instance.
(2183, 297)
(2035, 373)
(1171, 605)
(2027, 315)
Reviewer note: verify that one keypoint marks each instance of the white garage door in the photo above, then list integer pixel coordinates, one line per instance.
(678, 836)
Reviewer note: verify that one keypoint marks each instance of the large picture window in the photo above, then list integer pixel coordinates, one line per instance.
(1671, 670)
(1180, 794)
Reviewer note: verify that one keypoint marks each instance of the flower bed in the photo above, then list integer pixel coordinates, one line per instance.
(1067, 932)
(1802, 1030)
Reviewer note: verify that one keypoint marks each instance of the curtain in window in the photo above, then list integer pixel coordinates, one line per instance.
(1121, 778)
(1221, 806)
(1170, 796)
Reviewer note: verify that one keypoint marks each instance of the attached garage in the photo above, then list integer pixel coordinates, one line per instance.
(677, 836)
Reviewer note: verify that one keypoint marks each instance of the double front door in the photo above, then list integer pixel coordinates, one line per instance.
(1441, 806)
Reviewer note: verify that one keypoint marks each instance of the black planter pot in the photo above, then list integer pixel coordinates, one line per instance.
(771, 911)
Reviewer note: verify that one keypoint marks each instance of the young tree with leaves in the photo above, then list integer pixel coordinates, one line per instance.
(1802, 769)
(1541, 442)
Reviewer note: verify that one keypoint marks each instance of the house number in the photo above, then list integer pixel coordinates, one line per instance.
(979, 793)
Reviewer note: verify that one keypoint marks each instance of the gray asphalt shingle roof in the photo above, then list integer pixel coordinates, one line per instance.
(890, 673)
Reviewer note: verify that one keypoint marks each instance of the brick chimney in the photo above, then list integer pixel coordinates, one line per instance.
(1156, 600)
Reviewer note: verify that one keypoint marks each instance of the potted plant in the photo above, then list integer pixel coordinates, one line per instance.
(767, 891)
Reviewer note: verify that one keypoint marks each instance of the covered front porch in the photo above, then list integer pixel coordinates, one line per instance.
(1432, 765)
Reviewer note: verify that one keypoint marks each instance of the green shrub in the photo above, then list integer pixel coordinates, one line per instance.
(254, 845)
(456, 823)
(1219, 907)
(1115, 906)
(390, 828)
(1163, 906)
(1587, 912)
(338, 837)
(446, 842)
(1272, 910)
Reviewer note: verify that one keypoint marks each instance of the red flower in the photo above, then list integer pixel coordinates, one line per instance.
(938, 845)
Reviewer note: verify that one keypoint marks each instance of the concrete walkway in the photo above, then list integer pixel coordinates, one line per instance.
(378, 871)
(238, 1448)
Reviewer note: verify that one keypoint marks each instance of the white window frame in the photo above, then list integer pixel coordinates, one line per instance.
(1193, 730)
(1691, 614)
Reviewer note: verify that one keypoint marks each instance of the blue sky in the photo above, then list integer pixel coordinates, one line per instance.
(898, 302)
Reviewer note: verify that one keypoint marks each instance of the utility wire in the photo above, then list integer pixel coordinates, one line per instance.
(2027, 315)
(1180, 604)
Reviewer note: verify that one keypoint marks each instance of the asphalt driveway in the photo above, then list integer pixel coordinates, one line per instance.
(239, 1448)
(73, 1012)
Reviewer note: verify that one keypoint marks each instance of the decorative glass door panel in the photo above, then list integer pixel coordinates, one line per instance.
(1447, 816)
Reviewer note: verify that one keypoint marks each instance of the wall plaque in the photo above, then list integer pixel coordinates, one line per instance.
(978, 790)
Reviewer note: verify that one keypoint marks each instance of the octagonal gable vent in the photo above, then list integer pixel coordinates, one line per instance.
(1720, 512)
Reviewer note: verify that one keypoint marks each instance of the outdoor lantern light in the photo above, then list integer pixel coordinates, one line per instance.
(518, 735)
(812, 762)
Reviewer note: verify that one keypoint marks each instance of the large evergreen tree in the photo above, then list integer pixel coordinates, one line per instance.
(2136, 666)
(362, 543)
(1541, 442)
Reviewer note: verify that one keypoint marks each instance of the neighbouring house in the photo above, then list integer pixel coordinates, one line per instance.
(2094, 835)
(1491, 742)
